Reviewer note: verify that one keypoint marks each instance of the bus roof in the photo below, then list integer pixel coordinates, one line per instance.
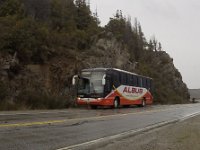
(105, 69)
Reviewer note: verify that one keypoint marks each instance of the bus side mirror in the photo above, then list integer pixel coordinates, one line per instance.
(74, 79)
(104, 80)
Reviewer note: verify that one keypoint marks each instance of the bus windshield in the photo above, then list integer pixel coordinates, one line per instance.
(83, 86)
(91, 83)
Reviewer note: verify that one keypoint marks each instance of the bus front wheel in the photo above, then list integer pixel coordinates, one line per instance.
(116, 103)
(93, 106)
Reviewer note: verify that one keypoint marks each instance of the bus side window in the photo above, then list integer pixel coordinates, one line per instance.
(131, 80)
(139, 82)
(123, 78)
(151, 86)
(127, 79)
(144, 85)
(116, 81)
(148, 84)
(134, 80)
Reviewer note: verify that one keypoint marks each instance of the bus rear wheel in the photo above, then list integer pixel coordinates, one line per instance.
(143, 103)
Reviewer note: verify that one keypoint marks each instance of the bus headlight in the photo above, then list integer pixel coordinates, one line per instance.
(99, 99)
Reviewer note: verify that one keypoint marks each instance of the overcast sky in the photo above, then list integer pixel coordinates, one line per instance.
(175, 23)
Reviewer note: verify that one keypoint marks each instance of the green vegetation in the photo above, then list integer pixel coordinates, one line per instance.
(48, 41)
(3, 91)
(39, 100)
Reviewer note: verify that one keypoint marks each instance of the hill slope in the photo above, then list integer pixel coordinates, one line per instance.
(44, 43)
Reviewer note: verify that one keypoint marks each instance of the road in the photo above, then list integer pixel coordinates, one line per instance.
(66, 129)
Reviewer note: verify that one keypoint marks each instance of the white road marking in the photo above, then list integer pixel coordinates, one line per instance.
(129, 133)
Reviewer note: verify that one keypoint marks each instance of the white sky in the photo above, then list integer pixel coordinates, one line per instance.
(175, 23)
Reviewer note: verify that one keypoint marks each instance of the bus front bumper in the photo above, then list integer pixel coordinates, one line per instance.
(93, 101)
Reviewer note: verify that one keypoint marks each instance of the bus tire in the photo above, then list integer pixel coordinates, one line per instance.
(116, 103)
(93, 106)
(143, 102)
(126, 106)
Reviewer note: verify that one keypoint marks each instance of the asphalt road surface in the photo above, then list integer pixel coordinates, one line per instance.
(75, 128)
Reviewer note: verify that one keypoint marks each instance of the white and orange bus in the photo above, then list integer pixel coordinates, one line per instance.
(112, 87)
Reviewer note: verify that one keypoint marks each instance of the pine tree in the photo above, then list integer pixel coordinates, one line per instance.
(150, 45)
(159, 46)
(62, 14)
(11, 7)
(83, 14)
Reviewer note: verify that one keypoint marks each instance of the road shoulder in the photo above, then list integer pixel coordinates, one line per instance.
(182, 135)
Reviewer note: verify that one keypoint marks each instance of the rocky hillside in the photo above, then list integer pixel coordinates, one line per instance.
(43, 47)
(168, 84)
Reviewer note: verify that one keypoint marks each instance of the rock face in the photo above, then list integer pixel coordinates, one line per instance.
(108, 52)
(169, 87)
(54, 77)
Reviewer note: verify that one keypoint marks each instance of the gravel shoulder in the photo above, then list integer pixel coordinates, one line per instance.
(182, 135)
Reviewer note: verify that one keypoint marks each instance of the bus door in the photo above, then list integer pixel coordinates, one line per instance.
(108, 85)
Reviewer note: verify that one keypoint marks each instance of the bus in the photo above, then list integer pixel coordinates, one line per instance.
(112, 87)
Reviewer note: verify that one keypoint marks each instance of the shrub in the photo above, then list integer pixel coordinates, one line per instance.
(40, 100)
(3, 90)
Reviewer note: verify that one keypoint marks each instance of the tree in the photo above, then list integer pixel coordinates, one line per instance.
(37, 9)
(6, 28)
(25, 37)
(86, 24)
(83, 15)
(159, 46)
(117, 26)
(11, 7)
(96, 17)
(63, 15)
(3, 91)
(150, 45)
